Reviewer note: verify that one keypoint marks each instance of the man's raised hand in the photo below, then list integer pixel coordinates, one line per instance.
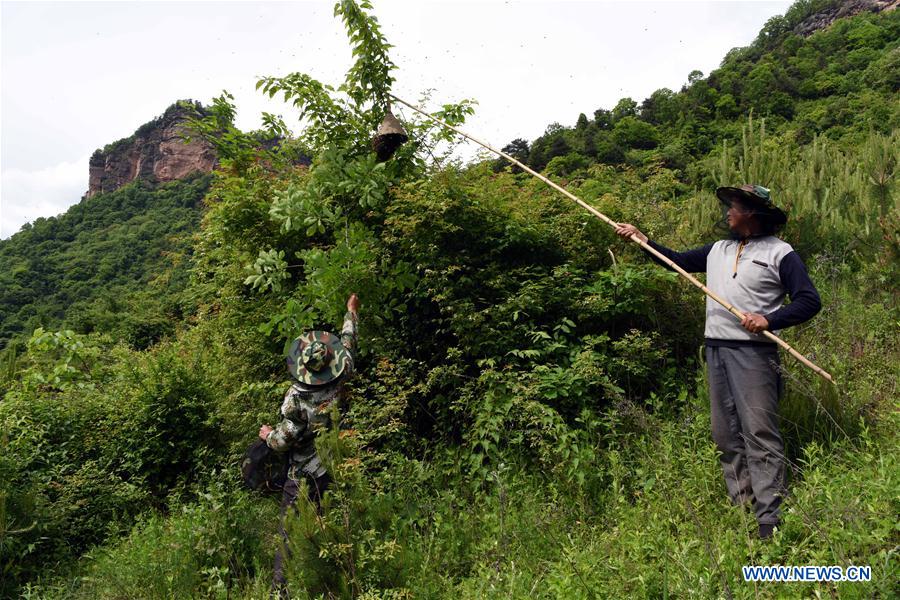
(353, 303)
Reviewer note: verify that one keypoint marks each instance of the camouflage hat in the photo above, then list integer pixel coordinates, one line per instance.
(755, 197)
(317, 358)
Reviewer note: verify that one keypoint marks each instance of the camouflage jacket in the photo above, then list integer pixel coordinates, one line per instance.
(306, 409)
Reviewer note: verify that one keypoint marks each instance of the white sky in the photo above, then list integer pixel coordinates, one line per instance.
(76, 76)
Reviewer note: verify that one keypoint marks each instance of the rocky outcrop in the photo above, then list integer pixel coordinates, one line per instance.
(155, 152)
(848, 8)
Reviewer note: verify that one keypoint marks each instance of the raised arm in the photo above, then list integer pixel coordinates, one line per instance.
(349, 330)
(692, 261)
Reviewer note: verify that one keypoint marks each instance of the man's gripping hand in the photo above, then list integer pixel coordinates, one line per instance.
(754, 323)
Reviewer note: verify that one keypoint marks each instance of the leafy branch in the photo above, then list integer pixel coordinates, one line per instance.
(370, 76)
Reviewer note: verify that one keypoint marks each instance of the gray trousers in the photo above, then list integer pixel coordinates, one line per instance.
(744, 389)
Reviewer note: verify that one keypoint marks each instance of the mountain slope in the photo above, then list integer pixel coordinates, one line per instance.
(840, 81)
(115, 262)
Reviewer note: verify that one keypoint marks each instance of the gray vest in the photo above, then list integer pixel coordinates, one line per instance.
(753, 285)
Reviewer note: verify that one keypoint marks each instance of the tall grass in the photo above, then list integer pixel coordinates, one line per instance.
(838, 201)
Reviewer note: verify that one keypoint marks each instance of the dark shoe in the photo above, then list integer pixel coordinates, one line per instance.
(766, 530)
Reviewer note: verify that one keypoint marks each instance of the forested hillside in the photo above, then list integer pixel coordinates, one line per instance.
(839, 82)
(115, 263)
(529, 416)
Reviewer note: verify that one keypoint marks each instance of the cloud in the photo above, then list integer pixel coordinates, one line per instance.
(29, 194)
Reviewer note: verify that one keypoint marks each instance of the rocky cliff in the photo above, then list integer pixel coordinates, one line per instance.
(839, 10)
(156, 151)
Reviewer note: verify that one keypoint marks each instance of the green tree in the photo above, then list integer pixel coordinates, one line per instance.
(603, 118)
(626, 107)
(662, 107)
(634, 133)
(518, 149)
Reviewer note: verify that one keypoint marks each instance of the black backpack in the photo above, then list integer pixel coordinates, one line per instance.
(263, 469)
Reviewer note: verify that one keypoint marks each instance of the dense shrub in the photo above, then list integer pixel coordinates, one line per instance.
(202, 548)
(94, 435)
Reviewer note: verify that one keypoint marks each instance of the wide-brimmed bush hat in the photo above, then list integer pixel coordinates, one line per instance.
(755, 197)
(317, 358)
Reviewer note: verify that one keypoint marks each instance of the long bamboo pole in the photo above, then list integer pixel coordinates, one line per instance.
(737, 313)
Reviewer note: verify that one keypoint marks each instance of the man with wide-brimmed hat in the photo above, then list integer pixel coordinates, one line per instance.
(319, 363)
(753, 270)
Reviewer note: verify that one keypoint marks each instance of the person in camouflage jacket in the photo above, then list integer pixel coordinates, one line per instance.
(319, 363)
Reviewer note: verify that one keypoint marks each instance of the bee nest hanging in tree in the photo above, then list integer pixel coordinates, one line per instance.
(389, 137)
